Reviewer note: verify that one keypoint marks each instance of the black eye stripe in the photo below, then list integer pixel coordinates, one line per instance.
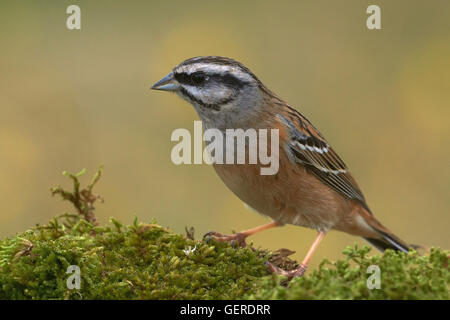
(199, 77)
(195, 78)
(230, 80)
(182, 77)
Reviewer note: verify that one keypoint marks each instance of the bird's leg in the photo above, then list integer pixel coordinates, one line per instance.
(239, 238)
(300, 270)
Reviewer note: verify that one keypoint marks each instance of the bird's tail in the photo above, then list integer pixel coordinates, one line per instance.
(389, 241)
(385, 239)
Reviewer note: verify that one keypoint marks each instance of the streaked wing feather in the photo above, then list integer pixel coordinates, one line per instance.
(307, 146)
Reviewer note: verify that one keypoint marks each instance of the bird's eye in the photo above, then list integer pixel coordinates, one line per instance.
(197, 78)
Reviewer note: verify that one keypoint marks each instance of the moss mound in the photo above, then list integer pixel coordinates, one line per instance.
(148, 261)
(141, 261)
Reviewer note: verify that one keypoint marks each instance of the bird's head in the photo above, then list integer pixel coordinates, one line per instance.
(223, 91)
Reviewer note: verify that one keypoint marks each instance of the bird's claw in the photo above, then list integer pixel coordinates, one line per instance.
(237, 239)
(298, 272)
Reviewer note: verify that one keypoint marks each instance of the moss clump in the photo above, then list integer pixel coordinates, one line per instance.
(147, 261)
(141, 261)
(402, 276)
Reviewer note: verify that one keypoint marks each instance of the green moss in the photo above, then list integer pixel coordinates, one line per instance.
(402, 276)
(148, 261)
(144, 261)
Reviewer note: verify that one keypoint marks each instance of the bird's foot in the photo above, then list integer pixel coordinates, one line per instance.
(237, 239)
(298, 272)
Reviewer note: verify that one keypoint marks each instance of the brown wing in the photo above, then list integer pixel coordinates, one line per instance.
(308, 147)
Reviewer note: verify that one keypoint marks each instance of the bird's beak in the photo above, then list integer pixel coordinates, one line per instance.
(168, 83)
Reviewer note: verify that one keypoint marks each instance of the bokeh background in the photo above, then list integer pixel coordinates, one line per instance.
(75, 99)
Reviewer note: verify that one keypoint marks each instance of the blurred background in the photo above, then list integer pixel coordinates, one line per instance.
(73, 99)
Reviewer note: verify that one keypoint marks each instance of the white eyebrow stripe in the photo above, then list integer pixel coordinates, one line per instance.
(211, 68)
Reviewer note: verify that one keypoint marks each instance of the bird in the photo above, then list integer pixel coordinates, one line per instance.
(312, 188)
